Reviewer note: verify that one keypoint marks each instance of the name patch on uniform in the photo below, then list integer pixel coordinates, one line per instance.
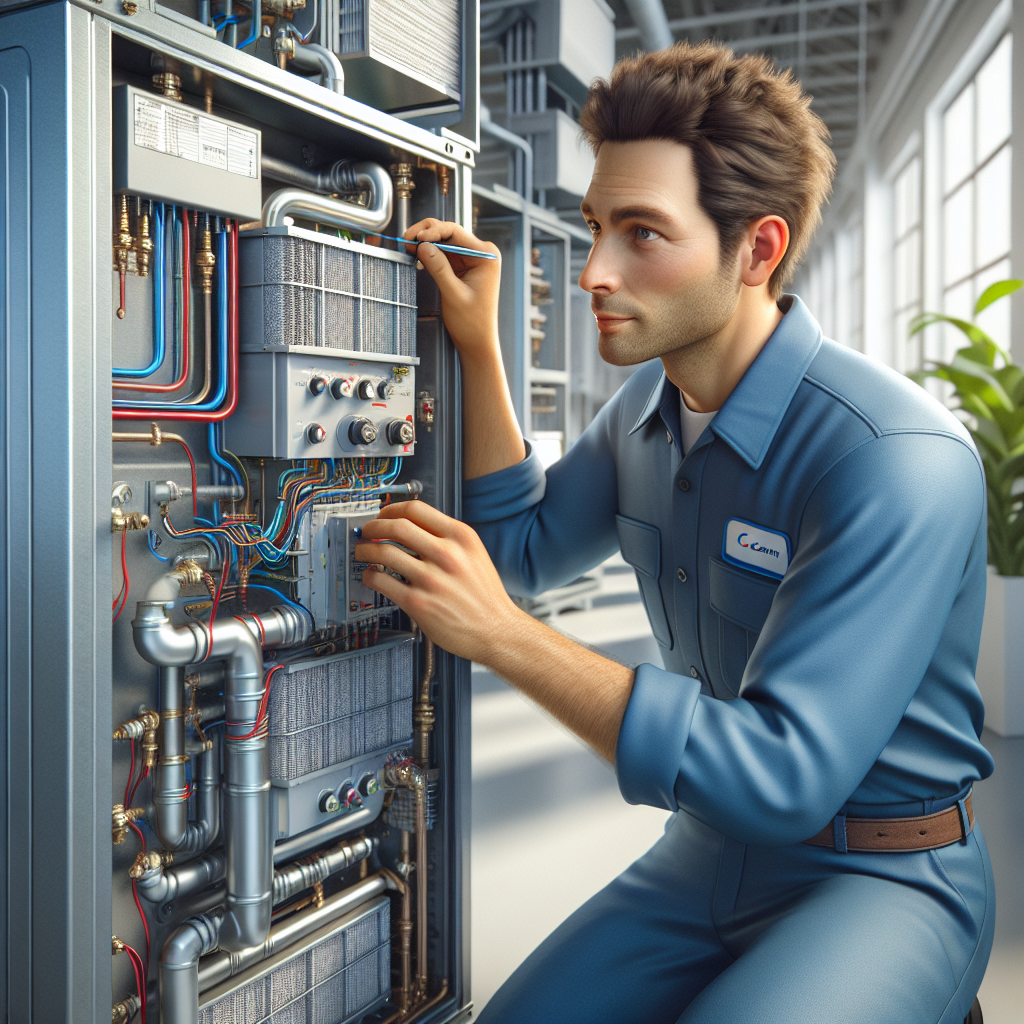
(756, 547)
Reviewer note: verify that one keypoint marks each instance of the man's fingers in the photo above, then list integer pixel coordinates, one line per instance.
(407, 533)
(394, 558)
(423, 515)
(386, 584)
(433, 230)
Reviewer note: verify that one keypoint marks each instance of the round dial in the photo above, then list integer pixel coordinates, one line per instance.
(400, 432)
(315, 433)
(362, 431)
(317, 385)
(385, 389)
(365, 389)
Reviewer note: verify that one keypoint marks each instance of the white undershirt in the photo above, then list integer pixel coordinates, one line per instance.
(693, 423)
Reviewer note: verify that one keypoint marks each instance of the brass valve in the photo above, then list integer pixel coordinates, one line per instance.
(402, 173)
(150, 862)
(169, 84)
(284, 48)
(205, 260)
(122, 522)
(143, 244)
(143, 728)
(123, 244)
(120, 820)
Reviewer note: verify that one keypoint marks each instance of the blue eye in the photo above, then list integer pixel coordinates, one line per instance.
(646, 234)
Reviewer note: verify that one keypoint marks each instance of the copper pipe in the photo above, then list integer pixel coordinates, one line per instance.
(422, 1008)
(423, 714)
(421, 887)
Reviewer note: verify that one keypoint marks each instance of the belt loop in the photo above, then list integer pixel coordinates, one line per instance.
(965, 821)
(839, 832)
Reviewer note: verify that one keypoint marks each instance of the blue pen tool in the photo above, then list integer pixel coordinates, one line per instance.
(459, 250)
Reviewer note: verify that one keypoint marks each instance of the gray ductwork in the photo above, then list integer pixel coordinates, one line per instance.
(348, 177)
(170, 789)
(246, 787)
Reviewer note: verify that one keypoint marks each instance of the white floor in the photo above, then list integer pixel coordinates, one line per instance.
(550, 828)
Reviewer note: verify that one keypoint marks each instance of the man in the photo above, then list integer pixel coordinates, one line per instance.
(808, 531)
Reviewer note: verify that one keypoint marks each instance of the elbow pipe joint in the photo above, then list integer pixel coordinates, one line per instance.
(344, 177)
(179, 967)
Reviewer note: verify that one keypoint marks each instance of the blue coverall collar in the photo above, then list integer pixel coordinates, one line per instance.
(752, 413)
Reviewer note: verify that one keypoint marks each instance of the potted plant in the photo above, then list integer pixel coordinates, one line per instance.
(989, 388)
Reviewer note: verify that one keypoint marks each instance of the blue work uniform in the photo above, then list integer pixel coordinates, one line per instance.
(814, 573)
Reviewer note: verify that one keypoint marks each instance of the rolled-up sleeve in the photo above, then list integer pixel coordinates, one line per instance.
(885, 542)
(543, 529)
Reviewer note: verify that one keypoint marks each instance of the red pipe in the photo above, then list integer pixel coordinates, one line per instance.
(176, 412)
(186, 281)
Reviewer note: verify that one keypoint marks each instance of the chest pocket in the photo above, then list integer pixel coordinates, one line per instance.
(741, 602)
(640, 544)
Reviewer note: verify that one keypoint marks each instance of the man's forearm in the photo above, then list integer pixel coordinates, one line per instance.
(491, 436)
(585, 692)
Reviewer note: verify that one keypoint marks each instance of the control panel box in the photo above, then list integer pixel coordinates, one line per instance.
(330, 581)
(326, 405)
(171, 152)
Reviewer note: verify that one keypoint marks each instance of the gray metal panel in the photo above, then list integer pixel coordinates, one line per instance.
(59, 859)
(160, 175)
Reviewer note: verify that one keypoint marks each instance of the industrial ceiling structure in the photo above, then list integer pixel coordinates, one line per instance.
(831, 45)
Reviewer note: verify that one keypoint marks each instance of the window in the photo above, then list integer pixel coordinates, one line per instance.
(976, 156)
(849, 321)
(907, 354)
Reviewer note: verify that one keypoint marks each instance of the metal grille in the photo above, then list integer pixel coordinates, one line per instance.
(337, 980)
(331, 296)
(327, 712)
(426, 38)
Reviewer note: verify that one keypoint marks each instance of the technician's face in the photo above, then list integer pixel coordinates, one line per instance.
(654, 274)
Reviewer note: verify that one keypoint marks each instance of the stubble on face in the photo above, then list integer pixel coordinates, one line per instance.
(688, 317)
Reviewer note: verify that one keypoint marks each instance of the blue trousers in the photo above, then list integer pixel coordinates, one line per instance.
(703, 928)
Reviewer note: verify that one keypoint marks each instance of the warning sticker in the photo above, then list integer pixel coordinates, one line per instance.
(180, 132)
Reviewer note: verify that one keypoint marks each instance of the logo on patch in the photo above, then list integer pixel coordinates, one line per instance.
(756, 547)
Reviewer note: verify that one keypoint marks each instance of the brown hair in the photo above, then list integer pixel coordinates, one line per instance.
(757, 147)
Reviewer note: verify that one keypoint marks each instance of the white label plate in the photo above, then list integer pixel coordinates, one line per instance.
(756, 547)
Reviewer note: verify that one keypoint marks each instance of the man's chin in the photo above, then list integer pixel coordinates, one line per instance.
(620, 352)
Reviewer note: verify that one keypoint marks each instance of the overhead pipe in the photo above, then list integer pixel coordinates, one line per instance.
(227, 391)
(288, 46)
(246, 786)
(650, 18)
(363, 176)
(288, 849)
(318, 867)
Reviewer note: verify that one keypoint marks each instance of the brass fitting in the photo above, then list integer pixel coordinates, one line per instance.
(117, 946)
(205, 261)
(402, 173)
(284, 48)
(188, 572)
(150, 861)
(169, 84)
(123, 244)
(123, 1011)
(136, 728)
(443, 178)
(143, 244)
(119, 822)
(122, 522)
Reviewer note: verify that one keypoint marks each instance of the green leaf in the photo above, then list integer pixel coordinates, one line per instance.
(996, 291)
(969, 368)
(975, 333)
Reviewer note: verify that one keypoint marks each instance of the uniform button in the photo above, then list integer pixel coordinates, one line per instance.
(681, 574)
(694, 672)
(684, 484)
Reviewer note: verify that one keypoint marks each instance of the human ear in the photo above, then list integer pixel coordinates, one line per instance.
(764, 245)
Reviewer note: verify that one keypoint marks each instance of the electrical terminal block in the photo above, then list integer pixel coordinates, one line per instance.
(120, 820)
(122, 522)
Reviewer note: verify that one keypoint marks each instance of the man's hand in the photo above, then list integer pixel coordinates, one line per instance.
(468, 285)
(453, 592)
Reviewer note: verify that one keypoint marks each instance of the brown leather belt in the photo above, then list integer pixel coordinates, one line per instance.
(890, 835)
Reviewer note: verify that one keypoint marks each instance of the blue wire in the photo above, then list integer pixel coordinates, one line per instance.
(212, 440)
(159, 286)
(222, 338)
(274, 590)
(153, 549)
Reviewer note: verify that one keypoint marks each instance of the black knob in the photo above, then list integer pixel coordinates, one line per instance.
(317, 385)
(337, 388)
(385, 389)
(315, 433)
(362, 431)
(365, 389)
(400, 432)
(368, 785)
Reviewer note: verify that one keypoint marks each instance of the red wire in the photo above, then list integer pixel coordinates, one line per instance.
(216, 604)
(123, 595)
(262, 713)
(140, 970)
(186, 244)
(174, 412)
(145, 772)
(131, 775)
(138, 983)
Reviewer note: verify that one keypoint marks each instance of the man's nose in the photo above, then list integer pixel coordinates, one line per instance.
(600, 276)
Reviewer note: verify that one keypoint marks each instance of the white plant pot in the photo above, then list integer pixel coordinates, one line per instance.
(1001, 657)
